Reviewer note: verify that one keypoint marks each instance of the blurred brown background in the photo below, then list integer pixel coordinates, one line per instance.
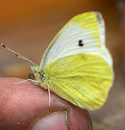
(28, 26)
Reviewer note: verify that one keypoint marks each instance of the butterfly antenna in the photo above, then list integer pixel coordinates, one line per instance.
(18, 55)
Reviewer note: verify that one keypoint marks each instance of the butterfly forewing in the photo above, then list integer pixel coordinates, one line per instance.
(87, 27)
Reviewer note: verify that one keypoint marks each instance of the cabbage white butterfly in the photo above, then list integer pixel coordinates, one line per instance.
(77, 66)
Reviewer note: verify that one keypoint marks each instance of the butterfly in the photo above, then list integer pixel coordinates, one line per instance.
(77, 66)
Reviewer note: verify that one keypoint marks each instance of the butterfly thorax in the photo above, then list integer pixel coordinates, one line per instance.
(39, 76)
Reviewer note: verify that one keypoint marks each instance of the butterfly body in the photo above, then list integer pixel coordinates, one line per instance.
(76, 65)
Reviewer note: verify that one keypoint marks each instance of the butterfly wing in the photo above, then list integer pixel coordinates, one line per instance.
(80, 74)
(82, 79)
(88, 27)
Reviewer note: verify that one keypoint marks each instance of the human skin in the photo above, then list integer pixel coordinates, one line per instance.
(25, 106)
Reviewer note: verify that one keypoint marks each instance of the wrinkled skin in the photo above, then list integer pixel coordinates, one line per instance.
(22, 104)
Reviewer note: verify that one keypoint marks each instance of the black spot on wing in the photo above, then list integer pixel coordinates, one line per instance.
(80, 43)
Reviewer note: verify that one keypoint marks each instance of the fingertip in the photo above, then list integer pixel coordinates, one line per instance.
(25, 103)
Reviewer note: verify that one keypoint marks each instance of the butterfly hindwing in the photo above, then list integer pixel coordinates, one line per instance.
(82, 79)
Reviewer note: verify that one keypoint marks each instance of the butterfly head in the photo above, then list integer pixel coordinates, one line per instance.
(36, 74)
(34, 69)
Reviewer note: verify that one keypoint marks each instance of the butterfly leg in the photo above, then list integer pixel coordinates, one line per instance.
(26, 81)
(35, 81)
(49, 95)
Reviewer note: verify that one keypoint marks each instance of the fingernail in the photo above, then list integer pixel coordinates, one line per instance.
(54, 121)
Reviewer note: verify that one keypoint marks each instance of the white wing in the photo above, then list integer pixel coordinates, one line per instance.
(86, 28)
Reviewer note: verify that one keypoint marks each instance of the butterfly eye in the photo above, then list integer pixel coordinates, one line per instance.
(31, 76)
(80, 43)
